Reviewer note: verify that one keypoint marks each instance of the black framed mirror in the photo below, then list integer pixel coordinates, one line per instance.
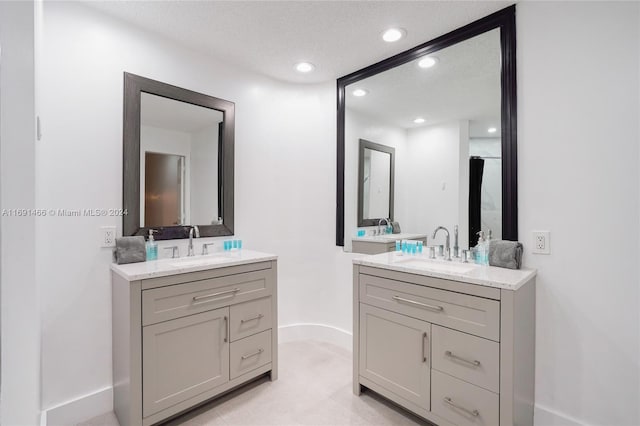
(376, 171)
(178, 160)
(488, 44)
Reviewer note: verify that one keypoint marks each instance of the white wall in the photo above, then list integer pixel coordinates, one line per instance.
(20, 333)
(578, 178)
(204, 176)
(377, 190)
(285, 184)
(359, 126)
(433, 161)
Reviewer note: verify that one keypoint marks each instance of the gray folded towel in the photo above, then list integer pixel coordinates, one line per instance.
(130, 250)
(505, 254)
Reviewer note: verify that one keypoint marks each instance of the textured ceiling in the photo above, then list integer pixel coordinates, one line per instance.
(463, 85)
(269, 37)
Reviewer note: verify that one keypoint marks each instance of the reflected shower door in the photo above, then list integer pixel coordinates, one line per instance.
(164, 189)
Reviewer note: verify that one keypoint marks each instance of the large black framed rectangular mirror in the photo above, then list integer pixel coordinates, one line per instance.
(376, 180)
(455, 94)
(178, 160)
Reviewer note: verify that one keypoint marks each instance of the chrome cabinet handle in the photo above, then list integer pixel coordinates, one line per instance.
(230, 293)
(425, 342)
(259, 316)
(226, 329)
(474, 413)
(451, 355)
(258, 352)
(422, 305)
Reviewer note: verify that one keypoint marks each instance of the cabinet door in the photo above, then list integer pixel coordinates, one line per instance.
(183, 358)
(395, 353)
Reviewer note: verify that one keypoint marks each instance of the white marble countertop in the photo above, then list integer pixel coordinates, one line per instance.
(389, 238)
(490, 276)
(182, 265)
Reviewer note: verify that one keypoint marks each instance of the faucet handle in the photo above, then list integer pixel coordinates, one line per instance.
(205, 247)
(175, 250)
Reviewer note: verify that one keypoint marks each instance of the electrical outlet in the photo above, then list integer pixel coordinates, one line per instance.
(541, 243)
(107, 236)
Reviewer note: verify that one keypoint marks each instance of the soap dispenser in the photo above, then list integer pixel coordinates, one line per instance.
(482, 250)
(152, 246)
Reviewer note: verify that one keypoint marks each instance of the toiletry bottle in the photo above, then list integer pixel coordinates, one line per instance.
(481, 250)
(152, 246)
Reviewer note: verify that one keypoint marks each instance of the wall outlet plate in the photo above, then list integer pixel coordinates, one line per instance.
(107, 236)
(541, 242)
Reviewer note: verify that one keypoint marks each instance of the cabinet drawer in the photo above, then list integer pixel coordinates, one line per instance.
(250, 353)
(174, 301)
(462, 403)
(249, 318)
(471, 314)
(472, 359)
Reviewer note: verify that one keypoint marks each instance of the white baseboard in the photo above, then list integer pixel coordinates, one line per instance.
(80, 409)
(545, 416)
(322, 332)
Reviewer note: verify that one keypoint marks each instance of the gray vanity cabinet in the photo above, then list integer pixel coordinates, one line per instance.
(371, 246)
(182, 339)
(453, 352)
(182, 358)
(394, 351)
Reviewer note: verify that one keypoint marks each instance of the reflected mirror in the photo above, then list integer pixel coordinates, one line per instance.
(376, 171)
(447, 111)
(183, 176)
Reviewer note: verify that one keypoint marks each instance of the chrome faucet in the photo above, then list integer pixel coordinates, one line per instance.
(447, 244)
(194, 230)
(380, 223)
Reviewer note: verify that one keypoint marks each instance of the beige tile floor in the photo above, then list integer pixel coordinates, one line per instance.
(313, 388)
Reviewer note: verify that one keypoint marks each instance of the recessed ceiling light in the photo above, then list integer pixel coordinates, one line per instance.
(305, 67)
(360, 92)
(492, 130)
(393, 34)
(418, 120)
(427, 62)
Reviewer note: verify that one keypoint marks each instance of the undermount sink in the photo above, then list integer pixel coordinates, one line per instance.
(451, 267)
(186, 262)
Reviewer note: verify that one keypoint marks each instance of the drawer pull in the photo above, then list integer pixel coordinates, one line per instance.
(258, 352)
(425, 342)
(422, 305)
(259, 316)
(473, 413)
(228, 293)
(474, 363)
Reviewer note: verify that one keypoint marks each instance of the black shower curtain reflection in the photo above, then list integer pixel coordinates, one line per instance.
(476, 169)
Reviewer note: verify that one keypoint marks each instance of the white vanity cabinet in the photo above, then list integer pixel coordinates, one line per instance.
(454, 351)
(182, 337)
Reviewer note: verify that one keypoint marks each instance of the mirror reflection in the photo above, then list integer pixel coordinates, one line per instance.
(179, 152)
(375, 183)
(441, 114)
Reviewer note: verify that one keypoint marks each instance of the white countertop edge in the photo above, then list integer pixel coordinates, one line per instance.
(145, 270)
(527, 274)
